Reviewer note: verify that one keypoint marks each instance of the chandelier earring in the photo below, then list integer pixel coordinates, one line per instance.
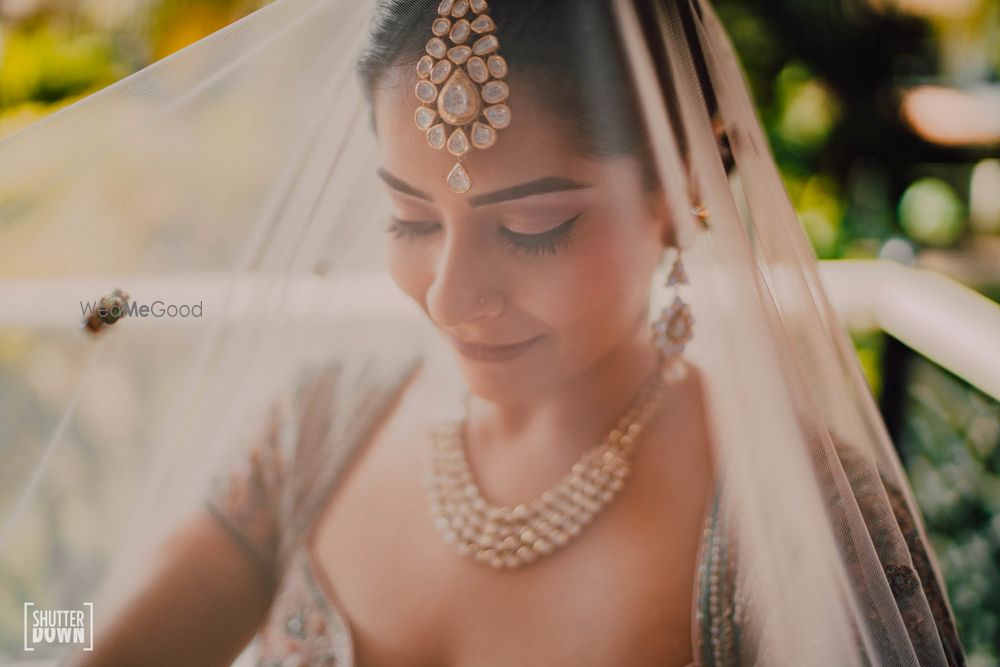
(674, 329)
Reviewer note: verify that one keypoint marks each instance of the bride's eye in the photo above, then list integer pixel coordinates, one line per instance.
(410, 228)
(547, 242)
(537, 244)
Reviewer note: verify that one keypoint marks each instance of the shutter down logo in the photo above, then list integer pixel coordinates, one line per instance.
(58, 627)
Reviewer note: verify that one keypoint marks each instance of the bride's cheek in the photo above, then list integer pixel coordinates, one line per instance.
(578, 294)
(407, 269)
(606, 273)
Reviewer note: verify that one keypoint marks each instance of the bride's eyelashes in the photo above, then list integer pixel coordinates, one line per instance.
(547, 242)
(409, 228)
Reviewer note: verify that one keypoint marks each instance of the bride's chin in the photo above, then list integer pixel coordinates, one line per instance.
(523, 377)
(505, 383)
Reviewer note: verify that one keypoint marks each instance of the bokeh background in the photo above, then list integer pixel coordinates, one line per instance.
(884, 116)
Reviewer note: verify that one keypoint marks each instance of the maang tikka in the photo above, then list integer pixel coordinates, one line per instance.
(674, 329)
(461, 85)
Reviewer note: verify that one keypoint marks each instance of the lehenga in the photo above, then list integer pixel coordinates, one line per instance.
(269, 501)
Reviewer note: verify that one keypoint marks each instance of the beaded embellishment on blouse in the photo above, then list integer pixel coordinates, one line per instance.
(303, 628)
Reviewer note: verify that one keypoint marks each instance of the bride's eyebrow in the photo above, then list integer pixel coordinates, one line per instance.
(400, 185)
(537, 187)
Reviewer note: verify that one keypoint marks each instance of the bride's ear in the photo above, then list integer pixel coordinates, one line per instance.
(663, 218)
(669, 236)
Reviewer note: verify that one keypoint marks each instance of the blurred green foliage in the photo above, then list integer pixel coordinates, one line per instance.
(951, 444)
(827, 78)
(45, 64)
(53, 54)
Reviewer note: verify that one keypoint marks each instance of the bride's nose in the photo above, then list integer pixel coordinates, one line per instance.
(464, 287)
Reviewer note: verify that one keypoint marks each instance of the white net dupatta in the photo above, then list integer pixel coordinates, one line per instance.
(832, 565)
(241, 175)
(230, 179)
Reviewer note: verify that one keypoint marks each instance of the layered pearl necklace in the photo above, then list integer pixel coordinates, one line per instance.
(509, 537)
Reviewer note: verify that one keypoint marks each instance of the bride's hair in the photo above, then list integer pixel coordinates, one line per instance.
(566, 54)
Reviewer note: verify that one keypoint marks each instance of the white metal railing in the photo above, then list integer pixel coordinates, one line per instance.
(941, 319)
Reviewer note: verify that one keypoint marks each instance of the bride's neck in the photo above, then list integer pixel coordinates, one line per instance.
(578, 413)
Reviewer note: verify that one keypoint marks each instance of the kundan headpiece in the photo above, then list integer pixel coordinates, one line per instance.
(461, 85)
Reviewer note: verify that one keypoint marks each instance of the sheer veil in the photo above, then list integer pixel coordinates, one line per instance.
(239, 175)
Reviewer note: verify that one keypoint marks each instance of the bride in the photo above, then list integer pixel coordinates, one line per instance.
(538, 275)
(627, 430)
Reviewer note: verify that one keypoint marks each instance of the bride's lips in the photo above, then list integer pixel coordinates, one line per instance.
(493, 352)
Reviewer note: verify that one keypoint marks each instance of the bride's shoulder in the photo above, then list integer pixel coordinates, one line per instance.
(336, 401)
(686, 420)
(331, 380)
(686, 397)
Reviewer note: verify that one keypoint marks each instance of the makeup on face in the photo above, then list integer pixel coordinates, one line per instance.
(535, 218)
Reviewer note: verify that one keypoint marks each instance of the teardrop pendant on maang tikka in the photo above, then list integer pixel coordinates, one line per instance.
(461, 85)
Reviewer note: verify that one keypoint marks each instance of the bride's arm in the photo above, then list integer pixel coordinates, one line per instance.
(201, 605)
(215, 578)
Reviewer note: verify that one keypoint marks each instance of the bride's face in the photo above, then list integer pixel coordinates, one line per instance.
(549, 245)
